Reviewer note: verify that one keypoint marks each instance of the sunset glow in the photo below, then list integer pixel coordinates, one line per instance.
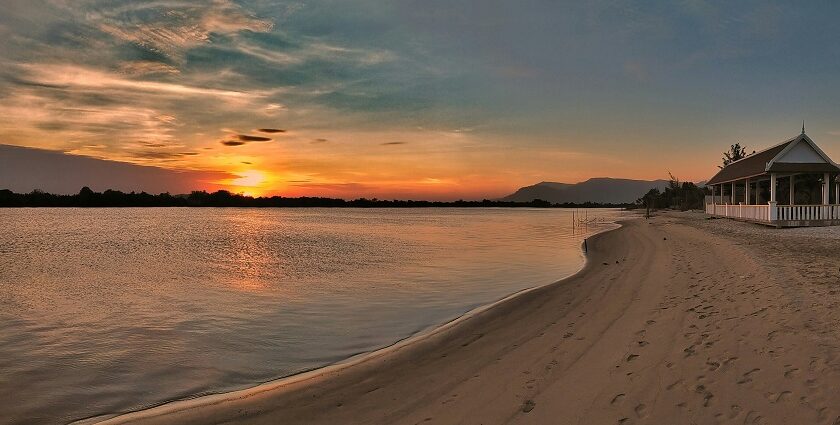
(381, 99)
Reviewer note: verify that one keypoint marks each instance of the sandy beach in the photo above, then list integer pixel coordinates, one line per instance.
(675, 319)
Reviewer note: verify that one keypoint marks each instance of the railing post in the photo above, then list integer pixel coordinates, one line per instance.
(773, 214)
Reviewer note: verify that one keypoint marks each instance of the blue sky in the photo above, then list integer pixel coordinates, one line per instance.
(406, 98)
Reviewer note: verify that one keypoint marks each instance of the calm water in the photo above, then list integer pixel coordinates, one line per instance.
(111, 310)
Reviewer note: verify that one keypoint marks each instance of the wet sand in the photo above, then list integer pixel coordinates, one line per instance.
(676, 319)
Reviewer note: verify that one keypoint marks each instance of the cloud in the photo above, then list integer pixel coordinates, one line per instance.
(320, 140)
(74, 77)
(249, 138)
(172, 27)
(146, 67)
(162, 155)
(392, 143)
(271, 130)
(232, 143)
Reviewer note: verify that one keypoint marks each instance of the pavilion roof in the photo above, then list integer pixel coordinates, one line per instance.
(767, 160)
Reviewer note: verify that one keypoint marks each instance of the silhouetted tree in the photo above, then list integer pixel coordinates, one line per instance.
(223, 198)
(734, 153)
(683, 196)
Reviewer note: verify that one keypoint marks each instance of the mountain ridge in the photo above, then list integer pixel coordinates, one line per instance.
(597, 189)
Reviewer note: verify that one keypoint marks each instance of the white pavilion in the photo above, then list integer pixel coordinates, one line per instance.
(790, 184)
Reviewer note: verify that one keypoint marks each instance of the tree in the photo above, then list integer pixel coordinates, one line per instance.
(735, 153)
(649, 200)
(677, 195)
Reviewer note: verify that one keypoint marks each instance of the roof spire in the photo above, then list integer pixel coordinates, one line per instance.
(803, 126)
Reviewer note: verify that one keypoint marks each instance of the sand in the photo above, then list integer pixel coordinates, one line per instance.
(673, 320)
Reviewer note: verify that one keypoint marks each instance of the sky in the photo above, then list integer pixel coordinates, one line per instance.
(432, 99)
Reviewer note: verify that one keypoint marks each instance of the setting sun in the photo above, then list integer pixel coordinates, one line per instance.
(250, 178)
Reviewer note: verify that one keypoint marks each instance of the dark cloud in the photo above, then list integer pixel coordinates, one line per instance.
(247, 162)
(320, 140)
(271, 130)
(249, 138)
(393, 143)
(232, 143)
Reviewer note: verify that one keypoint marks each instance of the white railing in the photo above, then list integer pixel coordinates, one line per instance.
(754, 212)
(808, 212)
(783, 212)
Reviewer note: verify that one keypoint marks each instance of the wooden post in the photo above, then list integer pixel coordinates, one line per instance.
(792, 188)
(774, 212)
(747, 191)
(826, 188)
(836, 193)
(714, 202)
(732, 195)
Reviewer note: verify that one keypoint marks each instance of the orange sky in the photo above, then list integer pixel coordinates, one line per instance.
(388, 99)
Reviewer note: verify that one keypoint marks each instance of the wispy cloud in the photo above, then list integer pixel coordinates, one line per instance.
(71, 77)
(172, 27)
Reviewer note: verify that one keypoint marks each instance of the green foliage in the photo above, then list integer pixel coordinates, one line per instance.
(682, 196)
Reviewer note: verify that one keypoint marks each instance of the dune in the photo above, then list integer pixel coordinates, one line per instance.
(676, 319)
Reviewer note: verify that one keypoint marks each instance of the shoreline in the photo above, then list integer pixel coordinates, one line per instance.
(300, 378)
(673, 319)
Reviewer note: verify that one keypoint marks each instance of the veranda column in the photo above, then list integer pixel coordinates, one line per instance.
(836, 193)
(747, 191)
(732, 195)
(774, 213)
(792, 188)
(826, 188)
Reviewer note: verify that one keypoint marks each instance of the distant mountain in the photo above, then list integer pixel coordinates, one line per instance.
(25, 169)
(601, 189)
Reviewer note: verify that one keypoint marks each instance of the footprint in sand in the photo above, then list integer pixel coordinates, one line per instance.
(618, 398)
(747, 377)
(791, 372)
(528, 406)
(632, 357)
(641, 410)
(777, 397)
(734, 411)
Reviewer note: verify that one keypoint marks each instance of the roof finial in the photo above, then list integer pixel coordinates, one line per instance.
(803, 126)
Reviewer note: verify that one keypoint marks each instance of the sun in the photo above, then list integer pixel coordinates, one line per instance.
(250, 178)
(249, 182)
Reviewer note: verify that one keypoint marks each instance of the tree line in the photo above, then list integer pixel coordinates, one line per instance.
(687, 195)
(683, 196)
(222, 198)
